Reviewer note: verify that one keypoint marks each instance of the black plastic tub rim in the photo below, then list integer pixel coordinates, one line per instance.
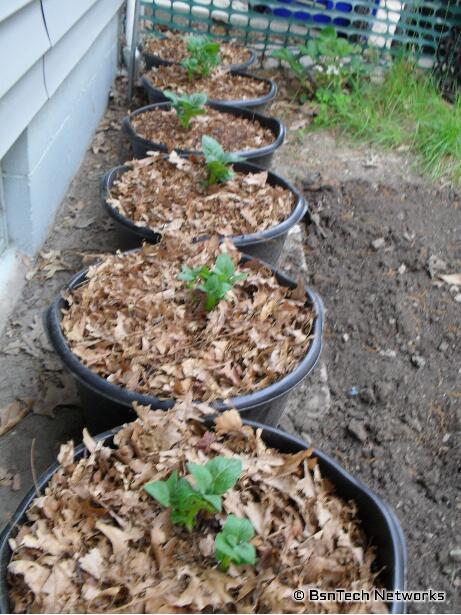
(276, 127)
(249, 102)
(300, 208)
(126, 397)
(153, 59)
(271, 435)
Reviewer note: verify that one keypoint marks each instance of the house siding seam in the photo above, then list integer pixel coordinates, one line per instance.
(58, 34)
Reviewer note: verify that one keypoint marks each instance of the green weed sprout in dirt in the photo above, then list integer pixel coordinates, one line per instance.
(203, 56)
(405, 110)
(333, 61)
(216, 282)
(187, 106)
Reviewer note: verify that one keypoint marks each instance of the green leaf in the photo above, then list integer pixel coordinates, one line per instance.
(202, 476)
(224, 266)
(188, 274)
(211, 148)
(241, 529)
(198, 99)
(214, 500)
(172, 96)
(159, 491)
(225, 472)
(231, 544)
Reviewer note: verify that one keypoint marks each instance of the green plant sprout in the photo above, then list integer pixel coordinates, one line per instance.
(216, 282)
(211, 481)
(335, 61)
(217, 161)
(203, 56)
(306, 83)
(187, 106)
(232, 544)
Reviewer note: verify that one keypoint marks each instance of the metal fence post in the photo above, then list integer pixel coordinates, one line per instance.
(133, 47)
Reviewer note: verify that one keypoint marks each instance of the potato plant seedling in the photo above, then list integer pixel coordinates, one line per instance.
(216, 282)
(210, 481)
(187, 106)
(218, 162)
(203, 57)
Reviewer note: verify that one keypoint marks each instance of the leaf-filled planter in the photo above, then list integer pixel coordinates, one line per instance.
(157, 195)
(235, 88)
(135, 328)
(250, 135)
(182, 515)
(171, 48)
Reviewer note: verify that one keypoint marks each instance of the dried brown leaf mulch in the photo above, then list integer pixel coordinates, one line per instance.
(174, 49)
(13, 413)
(96, 542)
(220, 85)
(171, 195)
(135, 324)
(232, 132)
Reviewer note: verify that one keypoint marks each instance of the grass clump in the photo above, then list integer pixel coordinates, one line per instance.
(404, 110)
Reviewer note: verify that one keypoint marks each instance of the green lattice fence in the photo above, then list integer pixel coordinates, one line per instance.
(388, 25)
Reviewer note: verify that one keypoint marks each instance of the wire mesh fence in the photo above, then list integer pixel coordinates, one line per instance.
(447, 66)
(392, 26)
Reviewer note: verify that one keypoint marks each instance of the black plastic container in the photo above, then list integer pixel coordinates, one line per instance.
(257, 104)
(262, 156)
(153, 60)
(114, 403)
(266, 245)
(378, 521)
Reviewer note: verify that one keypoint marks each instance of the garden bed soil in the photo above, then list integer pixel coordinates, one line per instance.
(137, 325)
(232, 132)
(168, 195)
(173, 48)
(220, 85)
(97, 542)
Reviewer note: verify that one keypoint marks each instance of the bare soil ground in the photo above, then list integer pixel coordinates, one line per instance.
(386, 400)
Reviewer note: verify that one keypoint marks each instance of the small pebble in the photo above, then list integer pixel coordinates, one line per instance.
(358, 430)
(378, 243)
(345, 337)
(458, 298)
(418, 361)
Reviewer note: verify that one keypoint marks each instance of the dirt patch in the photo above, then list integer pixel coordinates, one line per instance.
(220, 85)
(233, 133)
(393, 340)
(171, 195)
(173, 48)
